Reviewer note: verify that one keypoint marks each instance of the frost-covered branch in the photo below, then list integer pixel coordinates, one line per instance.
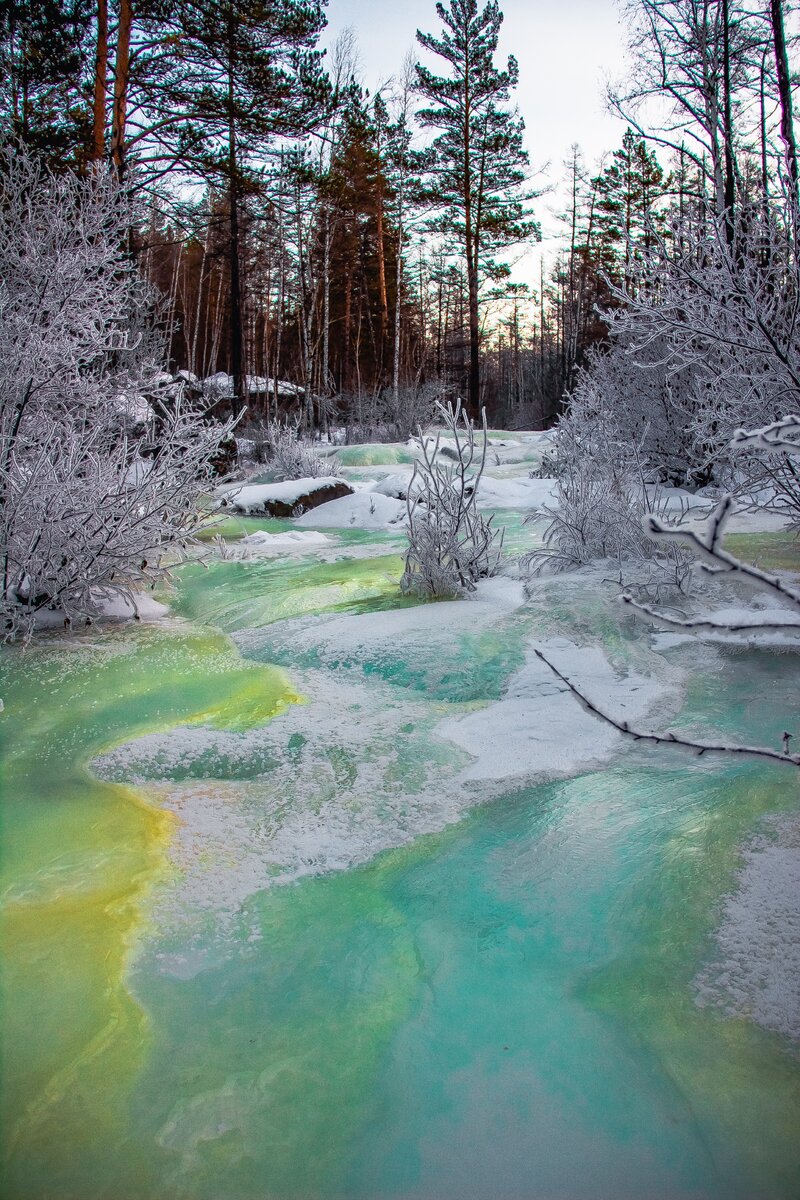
(103, 463)
(451, 545)
(673, 739)
(781, 437)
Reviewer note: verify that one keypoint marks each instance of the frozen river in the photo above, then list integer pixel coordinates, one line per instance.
(311, 891)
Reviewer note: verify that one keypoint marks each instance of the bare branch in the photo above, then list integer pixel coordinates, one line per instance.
(672, 739)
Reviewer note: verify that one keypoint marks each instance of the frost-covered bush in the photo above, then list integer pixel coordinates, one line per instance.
(281, 448)
(386, 417)
(101, 464)
(779, 439)
(450, 544)
(602, 497)
(706, 340)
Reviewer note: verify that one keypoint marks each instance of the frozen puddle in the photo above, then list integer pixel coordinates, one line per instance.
(756, 970)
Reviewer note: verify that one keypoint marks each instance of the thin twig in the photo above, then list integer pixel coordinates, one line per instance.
(670, 739)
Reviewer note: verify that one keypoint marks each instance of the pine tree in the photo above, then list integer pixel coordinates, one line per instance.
(244, 73)
(475, 168)
(43, 77)
(627, 216)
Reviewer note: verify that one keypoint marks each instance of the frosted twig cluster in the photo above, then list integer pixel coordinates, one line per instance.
(289, 456)
(451, 545)
(602, 496)
(102, 466)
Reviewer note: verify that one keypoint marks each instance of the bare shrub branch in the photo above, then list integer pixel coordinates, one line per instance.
(451, 544)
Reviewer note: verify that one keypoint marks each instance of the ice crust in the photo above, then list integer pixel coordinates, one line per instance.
(538, 730)
(279, 543)
(755, 971)
(367, 764)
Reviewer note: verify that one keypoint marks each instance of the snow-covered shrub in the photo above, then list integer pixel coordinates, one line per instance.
(450, 544)
(781, 438)
(90, 495)
(706, 340)
(412, 408)
(281, 448)
(602, 497)
(383, 416)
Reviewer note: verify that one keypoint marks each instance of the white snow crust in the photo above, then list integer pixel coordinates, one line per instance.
(279, 543)
(755, 972)
(362, 510)
(539, 730)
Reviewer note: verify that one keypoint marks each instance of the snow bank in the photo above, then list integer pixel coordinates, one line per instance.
(397, 485)
(112, 607)
(516, 492)
(361, 510)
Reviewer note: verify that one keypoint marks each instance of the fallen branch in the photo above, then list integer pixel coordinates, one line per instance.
(672, 739)
(710, 626)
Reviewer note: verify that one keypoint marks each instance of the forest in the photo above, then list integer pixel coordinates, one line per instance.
(300, 229)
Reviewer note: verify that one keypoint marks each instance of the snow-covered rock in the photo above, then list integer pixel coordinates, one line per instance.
(283, 499)
(397, 485)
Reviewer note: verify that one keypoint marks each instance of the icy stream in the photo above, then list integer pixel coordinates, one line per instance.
(313, 893)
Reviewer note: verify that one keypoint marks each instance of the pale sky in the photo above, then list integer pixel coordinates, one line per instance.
(566, 50)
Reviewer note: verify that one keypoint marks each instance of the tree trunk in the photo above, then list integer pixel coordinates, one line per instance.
(730, 188)
(474, 384)
(784, 89)
(100, 72)
(121, 73)
(234, 249)
(326, 306)
(382, 277)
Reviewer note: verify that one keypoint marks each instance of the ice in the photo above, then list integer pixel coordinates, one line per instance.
(278, 543)
(540, 731)
(756, 970)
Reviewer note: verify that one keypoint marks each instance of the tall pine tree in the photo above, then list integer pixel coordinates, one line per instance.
(475, 168)
(245, 74)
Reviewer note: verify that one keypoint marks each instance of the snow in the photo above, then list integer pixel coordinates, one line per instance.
(397, 484)
(246, 498)
(539, 731)
(756, 968)
(116, 607)
(278, 543)
(135, 408)
(362, 510)
(113, 607)
(516, 492)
